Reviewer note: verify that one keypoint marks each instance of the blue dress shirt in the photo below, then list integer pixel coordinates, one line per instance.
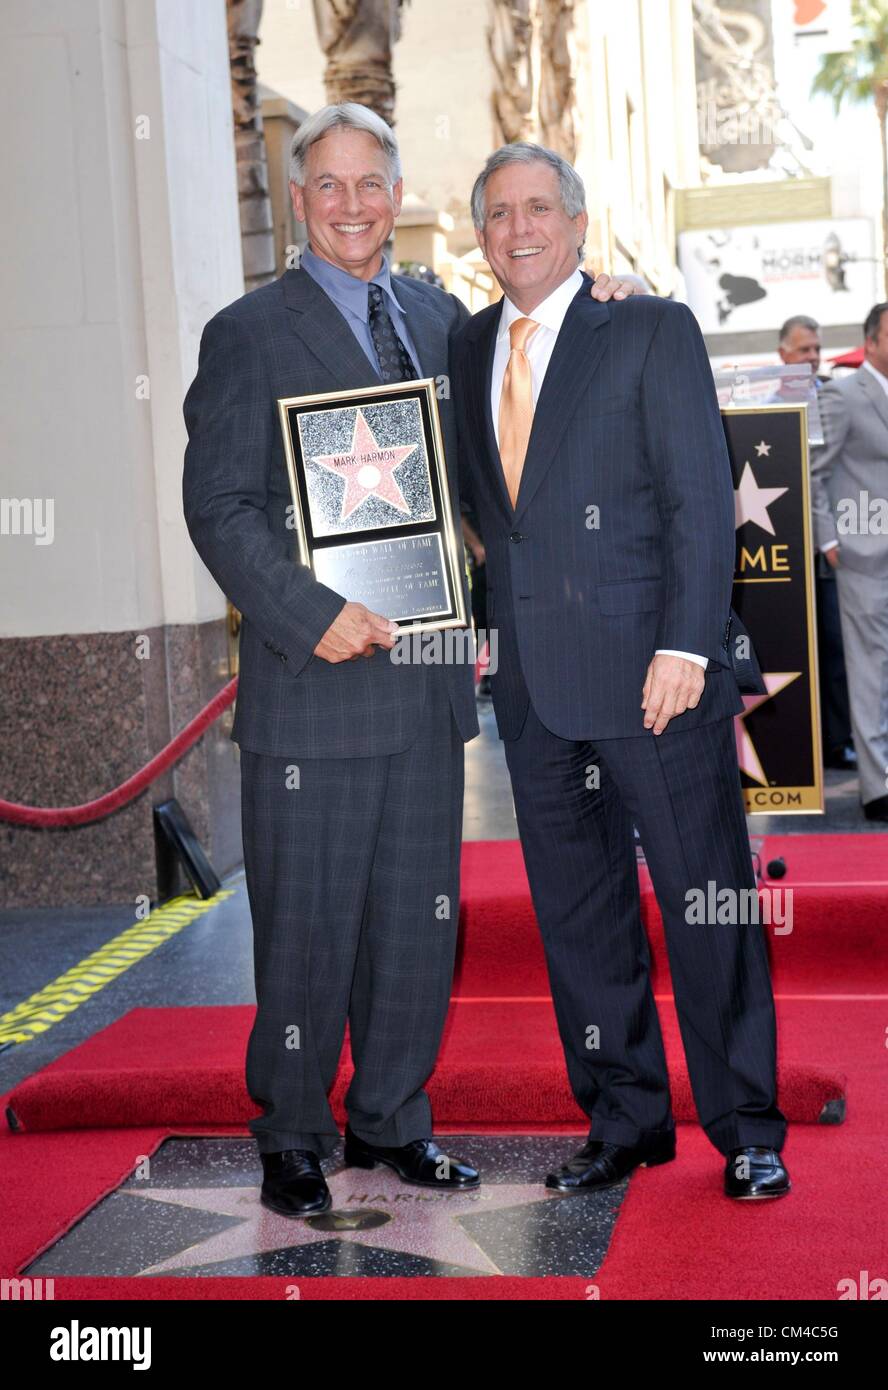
(349, 294)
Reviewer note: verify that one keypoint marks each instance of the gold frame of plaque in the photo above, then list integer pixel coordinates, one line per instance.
(325, 542)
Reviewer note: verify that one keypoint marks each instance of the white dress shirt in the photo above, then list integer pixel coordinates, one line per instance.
(550, 315)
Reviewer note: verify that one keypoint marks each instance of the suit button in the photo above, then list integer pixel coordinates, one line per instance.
(515, 537)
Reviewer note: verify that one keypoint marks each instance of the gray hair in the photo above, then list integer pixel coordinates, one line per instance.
(573, 192)
(352, 116)
(797, 321)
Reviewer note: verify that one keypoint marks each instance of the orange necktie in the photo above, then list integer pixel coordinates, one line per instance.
(516, 405)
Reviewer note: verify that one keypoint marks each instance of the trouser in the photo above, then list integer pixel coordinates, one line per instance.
(863, 603)
(835, 717)
(682, 790)
(353, 881)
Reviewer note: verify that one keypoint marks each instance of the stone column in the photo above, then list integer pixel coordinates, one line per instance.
(122, 239)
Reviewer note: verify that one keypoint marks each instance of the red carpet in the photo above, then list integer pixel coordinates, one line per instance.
(500, 1067)
(160, 1071)
(839, 906)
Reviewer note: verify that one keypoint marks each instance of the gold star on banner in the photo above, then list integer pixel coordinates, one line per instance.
(763, 448)
(747, 757)
(751, 502)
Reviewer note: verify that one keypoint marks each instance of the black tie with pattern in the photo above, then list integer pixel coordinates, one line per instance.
(394, 359)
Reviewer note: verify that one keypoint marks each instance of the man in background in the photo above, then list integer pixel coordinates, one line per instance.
(849, 479)
(800, 342)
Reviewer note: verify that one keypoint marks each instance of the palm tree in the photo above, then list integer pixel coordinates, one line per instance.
(257, 226)
(861, 75)
(357, 37)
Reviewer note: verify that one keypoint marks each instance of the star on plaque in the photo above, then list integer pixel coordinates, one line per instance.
(751, 502)
(747, 757)
(368, 469)
(763, 449)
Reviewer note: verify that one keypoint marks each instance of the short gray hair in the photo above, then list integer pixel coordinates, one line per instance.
(573, 192)
(797, 321)
(352, 116)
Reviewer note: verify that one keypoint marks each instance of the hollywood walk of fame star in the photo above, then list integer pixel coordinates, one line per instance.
(367, 469)
(747, 757)
(420, 1221)
(763, 448)
(751, 502)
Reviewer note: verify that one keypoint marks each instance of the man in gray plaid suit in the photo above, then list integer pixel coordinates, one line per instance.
(351, 764)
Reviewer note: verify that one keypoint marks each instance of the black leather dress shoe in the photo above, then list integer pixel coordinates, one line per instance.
(755, 1172)
(844, 758)
(598, 1164)
(294, 1184)
(420, 1162)
(876, 810)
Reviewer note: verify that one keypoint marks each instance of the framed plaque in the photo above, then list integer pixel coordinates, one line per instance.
(371, 501)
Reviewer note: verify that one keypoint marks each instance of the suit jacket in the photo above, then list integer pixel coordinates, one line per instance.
(289, 339)
(852, 459)
(627, 422)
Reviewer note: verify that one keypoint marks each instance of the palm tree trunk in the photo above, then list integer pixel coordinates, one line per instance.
(357, 37)
(257, 227)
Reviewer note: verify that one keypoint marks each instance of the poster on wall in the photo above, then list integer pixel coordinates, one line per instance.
(742, 279)
(778, 734)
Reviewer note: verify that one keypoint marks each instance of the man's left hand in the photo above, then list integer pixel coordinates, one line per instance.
(671, 686)
(612, 287)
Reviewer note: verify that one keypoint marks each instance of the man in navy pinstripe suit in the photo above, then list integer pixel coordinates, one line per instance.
(594, 455)
(351, 765)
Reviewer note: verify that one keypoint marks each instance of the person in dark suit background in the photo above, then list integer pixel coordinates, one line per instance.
(594, 454)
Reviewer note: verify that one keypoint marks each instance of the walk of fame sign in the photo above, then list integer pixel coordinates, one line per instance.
(778, 733)
(371, 502)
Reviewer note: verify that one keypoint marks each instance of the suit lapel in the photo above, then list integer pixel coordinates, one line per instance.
(578, 350)
(326, 334)
(481, 381)
(426, 329)
(875, 393)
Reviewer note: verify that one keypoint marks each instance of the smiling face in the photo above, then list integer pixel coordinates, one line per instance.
(528, 239)
(347, 203)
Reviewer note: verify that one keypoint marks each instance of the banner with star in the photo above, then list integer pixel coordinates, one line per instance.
(778, 734)
(372, 508)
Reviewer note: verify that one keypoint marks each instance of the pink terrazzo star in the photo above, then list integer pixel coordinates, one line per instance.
(368, 469)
